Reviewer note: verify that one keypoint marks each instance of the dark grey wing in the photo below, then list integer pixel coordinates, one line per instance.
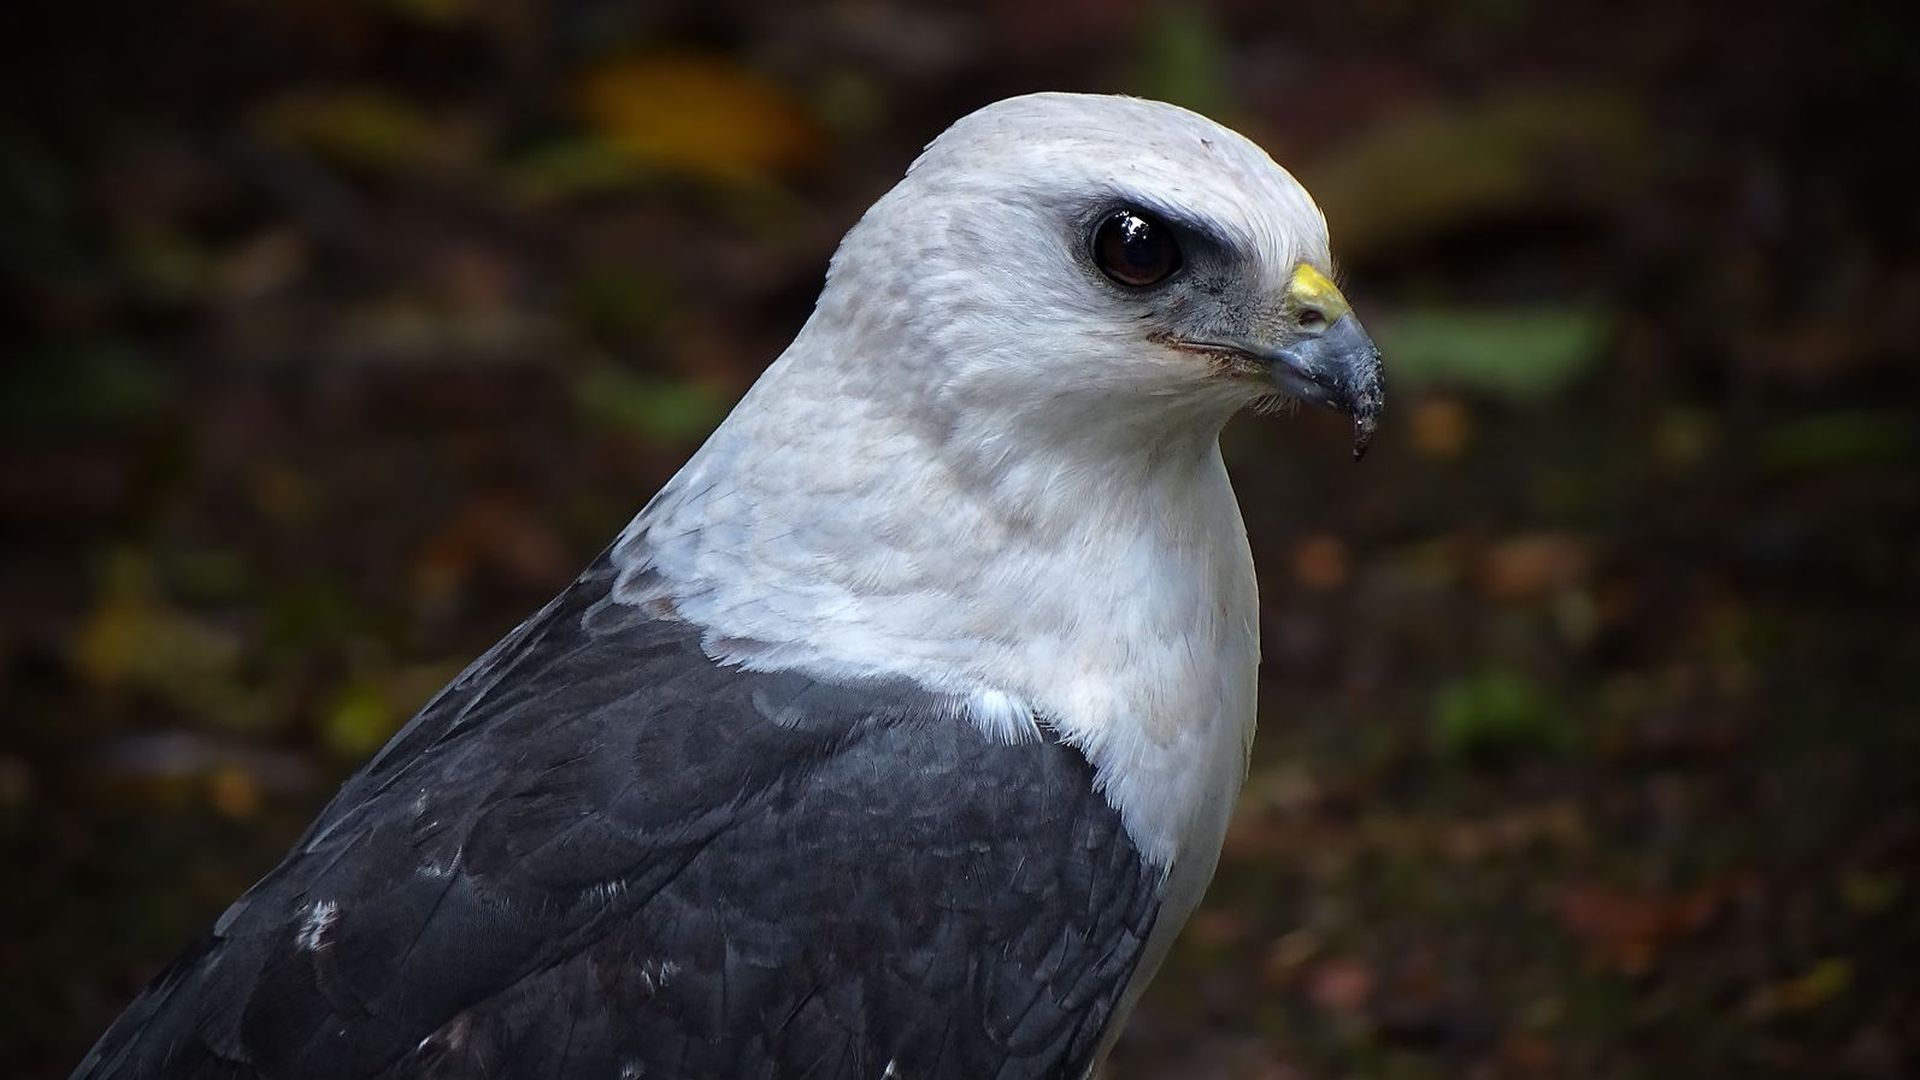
(598, 853)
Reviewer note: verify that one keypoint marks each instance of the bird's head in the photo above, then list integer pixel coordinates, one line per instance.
(1109, 266)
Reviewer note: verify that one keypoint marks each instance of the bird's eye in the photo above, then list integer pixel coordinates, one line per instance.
(1135, 249)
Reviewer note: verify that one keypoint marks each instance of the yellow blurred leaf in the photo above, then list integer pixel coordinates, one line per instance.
(134, 640)
(361, 719)
(697, 115)
(1822, 983)
(1868, 892)
(373, 704)
(1526, 151)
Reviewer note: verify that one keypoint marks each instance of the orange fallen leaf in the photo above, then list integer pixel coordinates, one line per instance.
(1321, 562)
(234, 792)
(1626, 931)
(491, 533)
(1532, 566)
(1342, 986)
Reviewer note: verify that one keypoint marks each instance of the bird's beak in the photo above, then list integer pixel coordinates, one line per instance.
(1335, 364)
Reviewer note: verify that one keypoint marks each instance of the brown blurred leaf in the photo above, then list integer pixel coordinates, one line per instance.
(492, 533)
(1524, 1052)
(1321, 562)
(1289, 955)
(1530, 567)
(699, 115)
(16, 782)
(234, 792)
(1683, 437)
(1627, 931)
(280, 493)
(1218, 928)
(431, 12)
(1440, 427)
(262, 264)
(1342, 986)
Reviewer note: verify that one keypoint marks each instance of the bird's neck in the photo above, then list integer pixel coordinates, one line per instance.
(1112, 599)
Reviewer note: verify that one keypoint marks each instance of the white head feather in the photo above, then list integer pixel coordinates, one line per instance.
(975, 467)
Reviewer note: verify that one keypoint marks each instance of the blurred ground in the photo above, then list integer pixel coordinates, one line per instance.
(341, 333)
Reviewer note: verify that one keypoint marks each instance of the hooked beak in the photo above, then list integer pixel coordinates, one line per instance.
(1338, 367)
(1331, 361)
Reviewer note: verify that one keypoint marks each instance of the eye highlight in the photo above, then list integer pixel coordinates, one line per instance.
(1135, 249)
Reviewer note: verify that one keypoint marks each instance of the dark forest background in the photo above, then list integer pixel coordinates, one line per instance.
(340, 333)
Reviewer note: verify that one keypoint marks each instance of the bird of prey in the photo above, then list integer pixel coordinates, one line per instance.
(898, 734)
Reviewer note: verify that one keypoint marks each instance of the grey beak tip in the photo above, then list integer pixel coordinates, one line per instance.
(1339, 368)
(1363, 429)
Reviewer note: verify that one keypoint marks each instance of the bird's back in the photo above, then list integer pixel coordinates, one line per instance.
(600, 854)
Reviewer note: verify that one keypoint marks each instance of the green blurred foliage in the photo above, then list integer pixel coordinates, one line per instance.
(1519, 354)
(1185, 60)
(1833, 440)
(80, 385)
(659, 409)
(1495, 714)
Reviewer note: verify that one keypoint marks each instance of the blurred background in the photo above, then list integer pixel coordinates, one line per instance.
(340, 333)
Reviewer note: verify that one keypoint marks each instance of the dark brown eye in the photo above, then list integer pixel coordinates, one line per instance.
(1135, 249)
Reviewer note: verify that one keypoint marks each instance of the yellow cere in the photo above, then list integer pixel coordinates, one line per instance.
(1309, 288)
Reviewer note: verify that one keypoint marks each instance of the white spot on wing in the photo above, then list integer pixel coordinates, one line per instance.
(656, 973)
(314, 925)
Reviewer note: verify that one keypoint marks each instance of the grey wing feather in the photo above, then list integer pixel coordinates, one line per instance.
(598, 853)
